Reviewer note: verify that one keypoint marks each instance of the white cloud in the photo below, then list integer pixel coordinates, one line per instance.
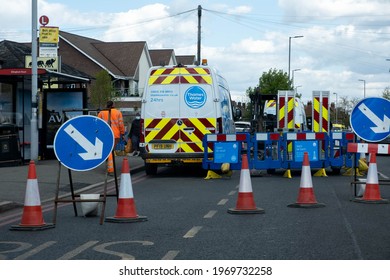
(333, 8)
(239, 10)
(138, 24)
(250, 46)
(344, 40)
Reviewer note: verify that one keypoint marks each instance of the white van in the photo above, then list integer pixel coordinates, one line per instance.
(180, 105)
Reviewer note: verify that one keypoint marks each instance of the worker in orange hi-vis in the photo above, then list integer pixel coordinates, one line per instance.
(115, 119)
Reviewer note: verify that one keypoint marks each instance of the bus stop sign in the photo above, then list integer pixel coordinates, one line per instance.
(83, 143)
(370, 119)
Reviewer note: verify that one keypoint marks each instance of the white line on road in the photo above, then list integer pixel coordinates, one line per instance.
(232, 193)
(192, 232)
(170, 255)
(78, 250)
(210, 214)
(35, 250)
(349, 228)
(223, 201)
(383, 175)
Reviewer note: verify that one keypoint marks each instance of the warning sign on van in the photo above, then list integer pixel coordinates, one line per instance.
(195, 97)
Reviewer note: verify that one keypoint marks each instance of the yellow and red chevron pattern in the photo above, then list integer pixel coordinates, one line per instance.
(168, 129)
(180, 75)
(286, 111)
(321, 113)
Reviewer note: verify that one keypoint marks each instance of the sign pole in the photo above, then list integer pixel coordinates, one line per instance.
(34, 84)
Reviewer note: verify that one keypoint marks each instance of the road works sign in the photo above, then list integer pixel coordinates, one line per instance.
(370, 119)
(83, 143)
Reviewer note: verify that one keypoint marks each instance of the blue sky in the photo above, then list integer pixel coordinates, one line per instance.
(344, 40)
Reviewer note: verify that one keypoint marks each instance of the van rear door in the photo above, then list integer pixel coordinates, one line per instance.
(179, 110)
(197, 108)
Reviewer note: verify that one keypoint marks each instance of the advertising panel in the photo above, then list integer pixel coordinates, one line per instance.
(57, 101)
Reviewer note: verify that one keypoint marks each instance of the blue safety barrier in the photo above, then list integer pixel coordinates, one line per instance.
(295, 144)
(266, 151)
(270, 151)
(348, 137)
(336, 152)
(224, 148)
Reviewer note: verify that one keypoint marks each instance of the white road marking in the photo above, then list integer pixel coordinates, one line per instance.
(210, 214)
(78, 250)
(34, 251)
(192, 232)
(223, 201)
(383, 175)
(170, 255)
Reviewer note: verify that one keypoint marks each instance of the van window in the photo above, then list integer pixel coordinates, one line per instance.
(226, 106)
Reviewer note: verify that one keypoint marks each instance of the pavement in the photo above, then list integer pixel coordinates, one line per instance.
(13, 179)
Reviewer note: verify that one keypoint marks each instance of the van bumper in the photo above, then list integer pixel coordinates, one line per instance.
(173, 159)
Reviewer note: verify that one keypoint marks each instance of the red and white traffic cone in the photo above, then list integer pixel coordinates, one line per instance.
(32, 218)
(126, 211)
(245, 202)
(306, 197)
(372, 193)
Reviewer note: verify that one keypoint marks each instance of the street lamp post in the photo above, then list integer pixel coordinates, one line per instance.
(364, 87)
(292, 76)
(336, 108)
(296, 90)
(289, 52)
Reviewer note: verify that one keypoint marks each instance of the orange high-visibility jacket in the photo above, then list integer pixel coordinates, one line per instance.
(117, 126)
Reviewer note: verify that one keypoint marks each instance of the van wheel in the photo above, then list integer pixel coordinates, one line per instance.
(150, 169)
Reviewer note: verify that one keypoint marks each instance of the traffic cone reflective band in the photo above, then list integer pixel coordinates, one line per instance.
(372, 193)
(126, 211)
(306, 197)
(245, 202)
(32, 218)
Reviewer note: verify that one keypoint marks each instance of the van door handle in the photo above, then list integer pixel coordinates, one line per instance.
(189, 129)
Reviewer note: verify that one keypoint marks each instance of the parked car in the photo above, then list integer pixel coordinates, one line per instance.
(242, 126)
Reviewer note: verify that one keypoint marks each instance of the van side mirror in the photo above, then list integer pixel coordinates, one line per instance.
(237, 114)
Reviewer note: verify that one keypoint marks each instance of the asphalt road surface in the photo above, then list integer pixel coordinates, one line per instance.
(188, 220)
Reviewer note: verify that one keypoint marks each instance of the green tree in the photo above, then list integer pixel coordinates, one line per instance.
(269, 84)
(101, 89)
(386, 93)
(273, 80)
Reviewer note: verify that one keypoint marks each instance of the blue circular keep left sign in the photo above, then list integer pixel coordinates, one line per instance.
(83, 143)
(370, 119)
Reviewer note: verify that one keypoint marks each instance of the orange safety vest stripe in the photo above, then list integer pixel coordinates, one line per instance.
(117, 125)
